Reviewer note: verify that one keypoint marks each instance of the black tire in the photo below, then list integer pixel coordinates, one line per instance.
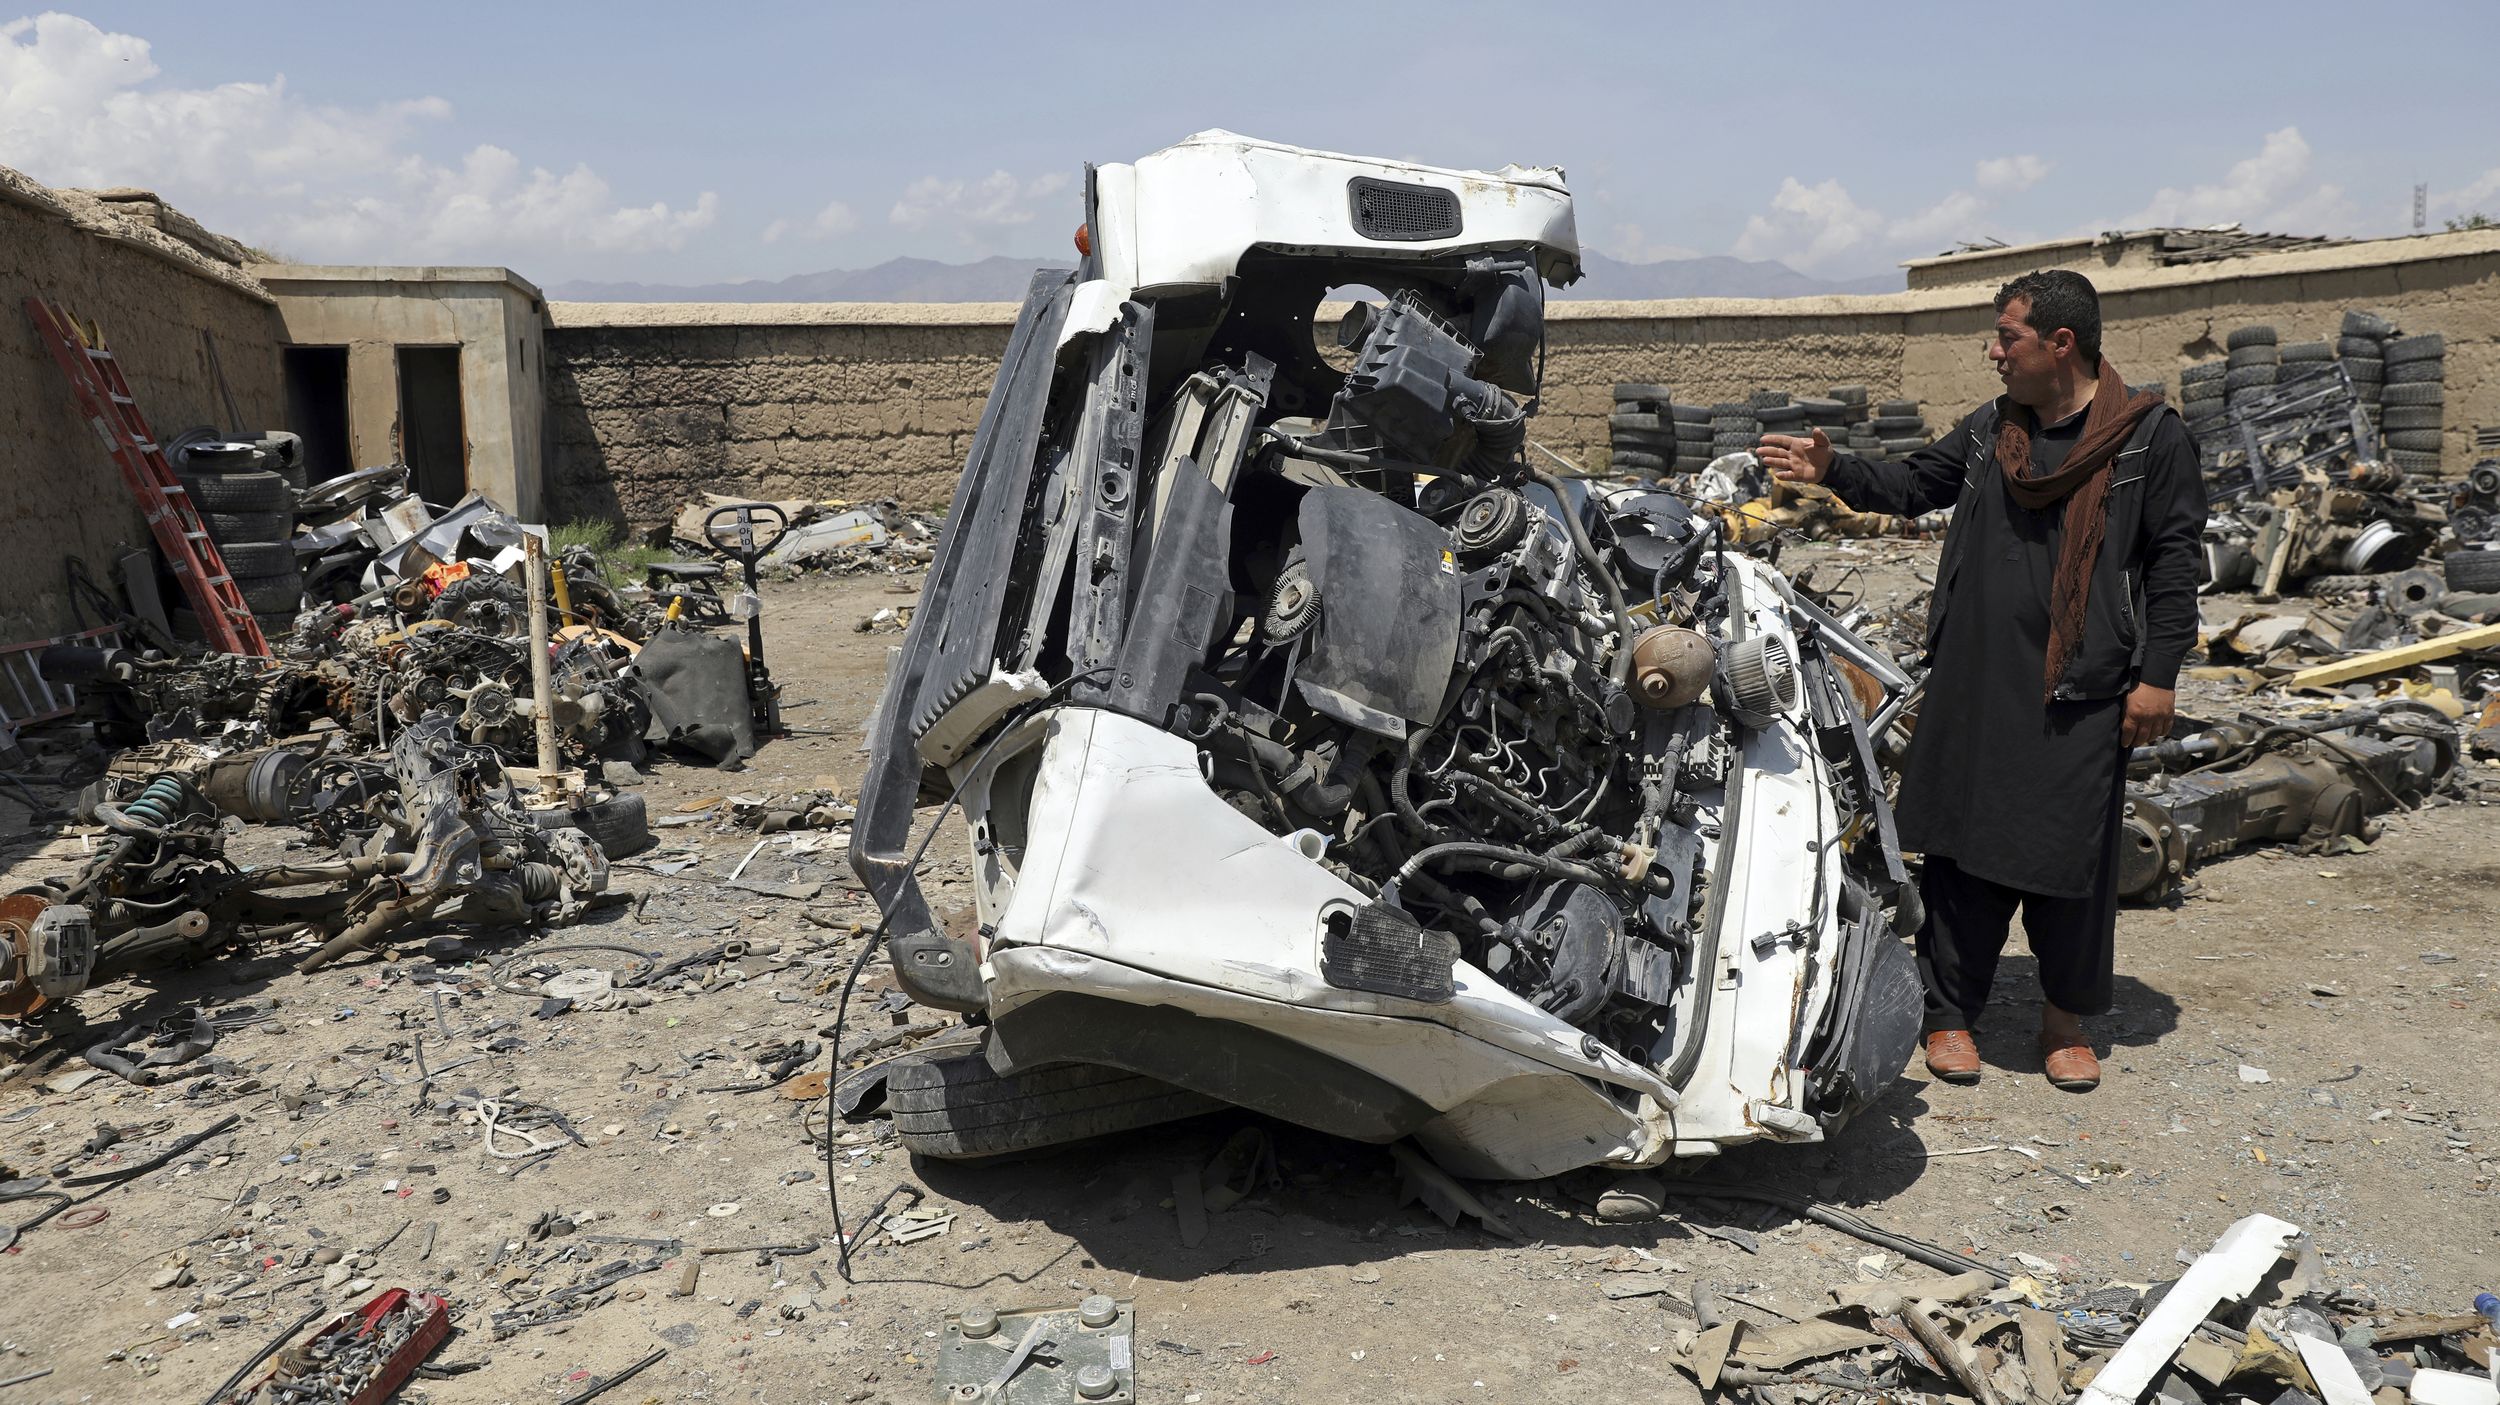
(2333, 587)
(256, 491)
(284, 453)
(2347, 347)
(2474, 572)
(620, 825)
(1894, 409)
(1633, 461)
(1894, 426)
(2202, 372)
(1648, 422)
(2420, 393)
(1766, 399)
(2365, 370)
(1690, 414)
(2265, 355)
(1636, 390)
(1849, 394)
(1719, 447)
(1730, 409)
(2413, 417)
(1720, 429)
(1691, 433)
(224, 527)
(2417, 372)
(955, 1107)
(1898, 447)
(2358, 323)
(2412, 461)
(2200, 392)
(2308, 351)
(2257, 335)
(1782, 419)
(2241, 378)
(2423, 441)
(1821, 408)
(2430, 346)
(272, 595)
(1649, 445)
(260, 559)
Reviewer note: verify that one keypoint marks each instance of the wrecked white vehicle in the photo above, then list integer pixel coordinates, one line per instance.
(1325, 755)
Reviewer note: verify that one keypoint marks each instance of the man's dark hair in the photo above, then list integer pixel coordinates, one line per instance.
(2060, 298)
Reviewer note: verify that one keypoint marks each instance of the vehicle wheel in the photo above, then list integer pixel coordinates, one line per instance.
(619, 825)
(2358, 323)
(2430, 372)
(254, 491)
(260, 558)
(2415, 394)
(2474, 572)
(955, 1106)
(2413, 417)
(273, 594)
(2308, 351)
(2430, 346)
(2412, 461)
(1633, 461)
(2257, 335)
(2420, 440)
(1649, 422)
(1636, 390)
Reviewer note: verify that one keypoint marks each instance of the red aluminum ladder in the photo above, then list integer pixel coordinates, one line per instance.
(103, 395)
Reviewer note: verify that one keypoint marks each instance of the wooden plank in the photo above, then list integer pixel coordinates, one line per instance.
(2402, 656)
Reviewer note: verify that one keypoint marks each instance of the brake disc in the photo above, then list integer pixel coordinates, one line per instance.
(18, 997)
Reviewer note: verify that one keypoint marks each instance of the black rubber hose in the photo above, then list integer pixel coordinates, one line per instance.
(1501, 857)
(1620, 668)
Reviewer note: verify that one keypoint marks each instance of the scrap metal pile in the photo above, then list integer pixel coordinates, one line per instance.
(387, 730)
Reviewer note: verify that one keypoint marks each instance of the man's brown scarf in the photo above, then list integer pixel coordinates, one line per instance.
(2082, 482)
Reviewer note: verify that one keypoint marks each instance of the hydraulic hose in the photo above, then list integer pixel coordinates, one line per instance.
(1620, 668)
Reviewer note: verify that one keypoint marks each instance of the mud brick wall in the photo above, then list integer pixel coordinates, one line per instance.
(649, 406)
(653, 403)
(60, 494)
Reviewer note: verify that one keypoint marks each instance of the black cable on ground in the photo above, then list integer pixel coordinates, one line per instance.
(1935, 1256)
(876, 938)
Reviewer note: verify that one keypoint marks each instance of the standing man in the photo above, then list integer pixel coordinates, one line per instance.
(2065, 599)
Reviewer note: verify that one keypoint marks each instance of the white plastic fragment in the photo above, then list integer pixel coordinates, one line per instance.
(2453, 1388)
(2228, 1271)
(2250, 1073)
(2333, 1371)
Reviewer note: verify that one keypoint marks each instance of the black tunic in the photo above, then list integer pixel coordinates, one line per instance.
(2010, 791)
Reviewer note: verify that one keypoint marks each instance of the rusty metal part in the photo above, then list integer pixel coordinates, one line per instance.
(18, 997)
(1672, 665)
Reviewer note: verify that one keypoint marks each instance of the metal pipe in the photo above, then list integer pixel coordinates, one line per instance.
(542, 672)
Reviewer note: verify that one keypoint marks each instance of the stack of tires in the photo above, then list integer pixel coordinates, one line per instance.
(2362, 348)
(1777, 413)
(245, 492)
(1640, 434)
(1826, 414)
(2200, 399)
(2301, 361)
(1853, 410)
(2254, 363)
(1733, 428)
(2413, 402)
(1898, 429)
(1691, 425)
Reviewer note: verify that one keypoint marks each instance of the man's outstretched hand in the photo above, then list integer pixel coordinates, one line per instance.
(2150, 711)
(1797, 459)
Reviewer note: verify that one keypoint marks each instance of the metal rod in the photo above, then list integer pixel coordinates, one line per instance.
(542, 676)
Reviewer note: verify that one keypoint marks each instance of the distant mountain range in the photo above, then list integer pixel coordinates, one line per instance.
(1003, 279)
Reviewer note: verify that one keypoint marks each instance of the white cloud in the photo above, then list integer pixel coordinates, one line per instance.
(2477, 196)
(2272, 190)
(1632, 244)
(1810, 225)
(997, 200)
(1954, 217)
(833, 220)
(2011, 174)
(80, 106)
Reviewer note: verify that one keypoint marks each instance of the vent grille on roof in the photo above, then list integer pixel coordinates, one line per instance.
(1391, 210)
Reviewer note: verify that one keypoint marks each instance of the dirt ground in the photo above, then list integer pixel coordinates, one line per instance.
(2301, 1036)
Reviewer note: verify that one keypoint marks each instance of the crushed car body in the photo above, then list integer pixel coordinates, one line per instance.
(1326, 753)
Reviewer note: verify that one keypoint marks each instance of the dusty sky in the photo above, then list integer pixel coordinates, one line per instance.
(687, 144)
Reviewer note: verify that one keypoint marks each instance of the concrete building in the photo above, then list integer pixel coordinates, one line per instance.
(442, 369)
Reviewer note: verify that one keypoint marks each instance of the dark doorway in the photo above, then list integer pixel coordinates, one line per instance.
(433, 441)
(316, 407)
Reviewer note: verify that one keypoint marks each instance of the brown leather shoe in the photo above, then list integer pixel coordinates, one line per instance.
(2070, 1064)
(1953, 1056)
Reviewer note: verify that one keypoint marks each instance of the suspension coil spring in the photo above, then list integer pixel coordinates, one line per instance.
(160, 802)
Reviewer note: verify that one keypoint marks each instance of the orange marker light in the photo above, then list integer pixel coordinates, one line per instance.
(1085, 239)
